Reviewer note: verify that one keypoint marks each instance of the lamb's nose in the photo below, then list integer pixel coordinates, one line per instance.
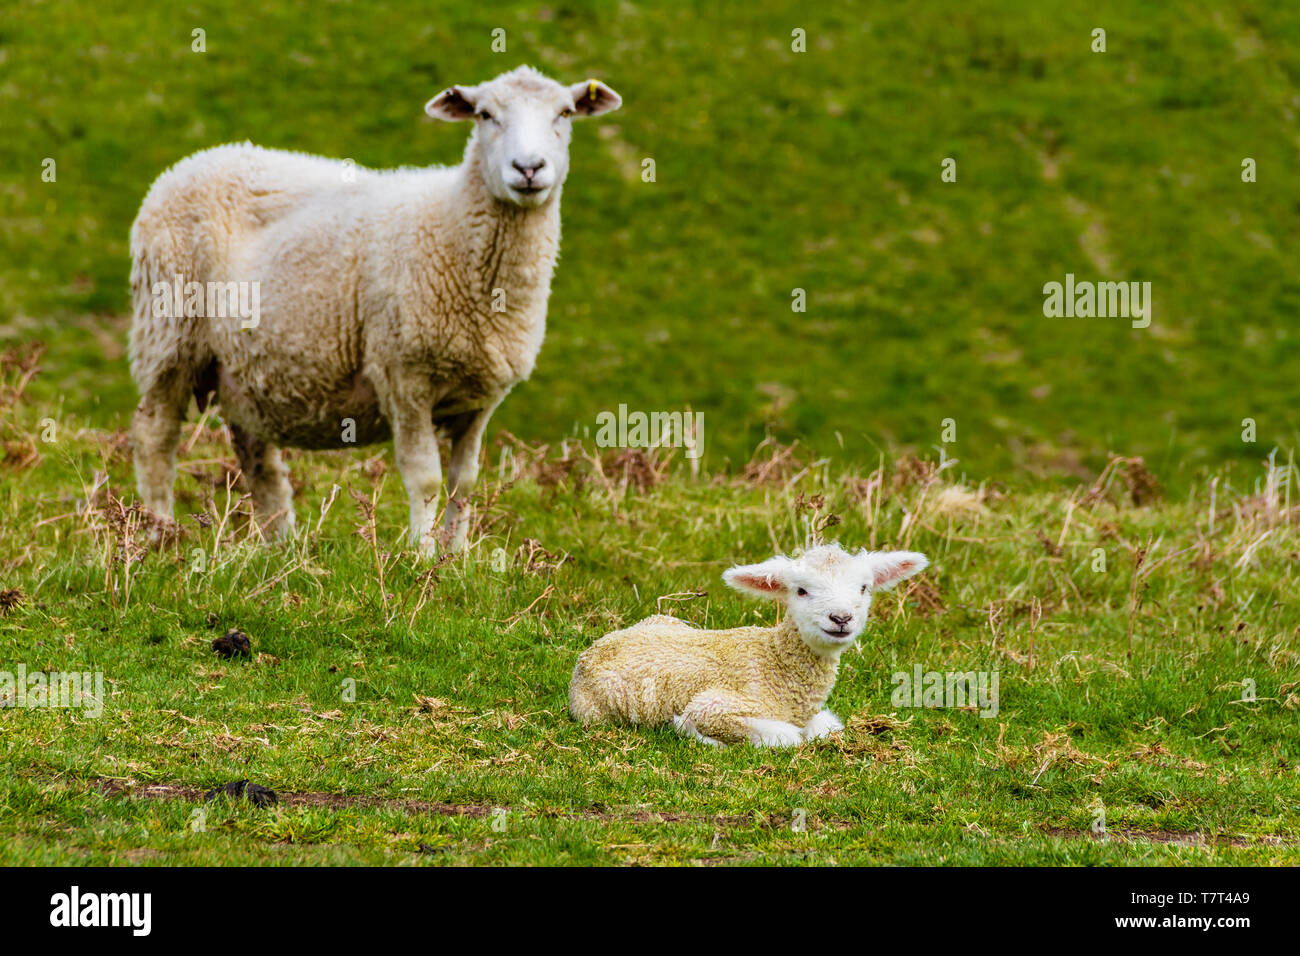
(529, 169)
(841, 619)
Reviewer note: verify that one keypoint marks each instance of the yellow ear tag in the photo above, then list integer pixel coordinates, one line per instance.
(592, 87)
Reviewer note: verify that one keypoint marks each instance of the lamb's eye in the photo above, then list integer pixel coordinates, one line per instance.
(864, 589)
(566, 112)
(484, 115)
(802, 592)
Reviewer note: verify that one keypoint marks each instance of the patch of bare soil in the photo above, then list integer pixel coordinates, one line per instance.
(336, 801)
(1194, 838)
(773, 821)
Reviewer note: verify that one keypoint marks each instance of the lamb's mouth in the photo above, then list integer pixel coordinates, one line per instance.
(530, 189)
(838, 635)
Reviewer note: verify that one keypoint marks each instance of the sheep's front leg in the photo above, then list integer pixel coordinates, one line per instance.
(821, 725)
(416, 447)
(764, 732)
(462, 472)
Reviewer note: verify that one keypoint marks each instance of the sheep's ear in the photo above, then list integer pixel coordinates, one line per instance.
(456, 103)
(592, 97)
(768, 579)
(887, 568)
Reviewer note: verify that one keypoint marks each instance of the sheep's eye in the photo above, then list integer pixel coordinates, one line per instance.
(484, 115)
(566, 112)
(802, 592)
(864, 589)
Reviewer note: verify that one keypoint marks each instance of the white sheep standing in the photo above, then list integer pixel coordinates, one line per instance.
(764, 685)
(396, 302)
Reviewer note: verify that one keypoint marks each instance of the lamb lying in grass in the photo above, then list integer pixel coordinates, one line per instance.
(763, 685)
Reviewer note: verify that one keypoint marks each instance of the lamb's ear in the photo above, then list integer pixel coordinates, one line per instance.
(456, 103)
(592, 97)
(887, 568)
(768, 579)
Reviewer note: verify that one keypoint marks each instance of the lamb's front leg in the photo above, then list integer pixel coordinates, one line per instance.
(416, 447)
(822, 724)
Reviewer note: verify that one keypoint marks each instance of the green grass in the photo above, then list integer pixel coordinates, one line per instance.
(775, 170)
(1161, 738)
(1121, 689)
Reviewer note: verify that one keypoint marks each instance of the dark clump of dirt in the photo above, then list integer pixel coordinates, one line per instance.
(10, 598)
(233, 644)
(256, 794)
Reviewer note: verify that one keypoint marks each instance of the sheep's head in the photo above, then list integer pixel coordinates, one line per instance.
(523, 124)
(827, 590)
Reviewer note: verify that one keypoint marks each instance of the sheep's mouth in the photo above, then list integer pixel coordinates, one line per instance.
(838, 635)
(530, 189)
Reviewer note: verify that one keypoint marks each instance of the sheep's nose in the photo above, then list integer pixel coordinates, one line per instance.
(841, 619)
(529, 169)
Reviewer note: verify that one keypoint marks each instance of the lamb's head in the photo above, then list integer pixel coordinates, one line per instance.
(523, 122)
(827, 590)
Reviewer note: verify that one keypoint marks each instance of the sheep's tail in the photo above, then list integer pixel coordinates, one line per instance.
(581, 706)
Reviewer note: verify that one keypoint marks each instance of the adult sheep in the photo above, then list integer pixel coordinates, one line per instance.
(388, 303)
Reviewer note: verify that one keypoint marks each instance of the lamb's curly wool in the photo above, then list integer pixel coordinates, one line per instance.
(391, 302)
(764, 685)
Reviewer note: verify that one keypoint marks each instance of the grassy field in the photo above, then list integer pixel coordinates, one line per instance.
(414, 713)
(775, 170)
(1141, 615)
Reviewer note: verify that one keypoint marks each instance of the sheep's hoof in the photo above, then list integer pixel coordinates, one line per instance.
(822, 725)
(773, 733)
(161, 531)
(453, 539)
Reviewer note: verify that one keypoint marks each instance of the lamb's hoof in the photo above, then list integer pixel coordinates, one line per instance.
(822, 725)
(774, 733)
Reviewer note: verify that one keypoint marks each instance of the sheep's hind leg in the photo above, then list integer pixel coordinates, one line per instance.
(267, 480)
(462, 472)
(155, 435)
(686, 727)
(720, 716)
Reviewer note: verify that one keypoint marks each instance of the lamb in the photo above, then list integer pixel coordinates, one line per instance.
(383, 303)
(763, 685)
